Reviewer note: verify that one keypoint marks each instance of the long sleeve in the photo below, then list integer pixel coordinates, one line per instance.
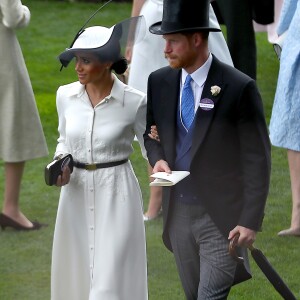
(15, 15)
(140, 125)
(61, 147)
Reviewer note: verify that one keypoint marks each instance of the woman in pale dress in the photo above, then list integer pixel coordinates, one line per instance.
(21, 132)
(99, 248)
(285, 123)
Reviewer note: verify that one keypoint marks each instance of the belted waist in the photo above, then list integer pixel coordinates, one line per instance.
(91, 167)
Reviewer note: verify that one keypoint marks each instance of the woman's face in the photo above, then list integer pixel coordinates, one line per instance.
(90, 69)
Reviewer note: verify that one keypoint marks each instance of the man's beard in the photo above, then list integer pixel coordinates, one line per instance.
(174, 62)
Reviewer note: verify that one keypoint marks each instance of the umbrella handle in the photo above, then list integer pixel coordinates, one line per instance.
(265, 267)
(232, 249)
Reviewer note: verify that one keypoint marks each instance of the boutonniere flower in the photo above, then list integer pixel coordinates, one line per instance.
(215, 90)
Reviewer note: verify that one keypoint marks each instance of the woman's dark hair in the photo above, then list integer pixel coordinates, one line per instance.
(120, 66)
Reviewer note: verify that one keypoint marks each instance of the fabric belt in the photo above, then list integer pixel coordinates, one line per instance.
(91, 167)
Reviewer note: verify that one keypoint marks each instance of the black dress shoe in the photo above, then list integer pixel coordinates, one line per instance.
(6, 221)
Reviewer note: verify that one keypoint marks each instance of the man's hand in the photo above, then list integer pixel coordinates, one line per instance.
(247, 236)
(161, 166)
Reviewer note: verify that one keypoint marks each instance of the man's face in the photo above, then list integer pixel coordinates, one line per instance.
(180, 50)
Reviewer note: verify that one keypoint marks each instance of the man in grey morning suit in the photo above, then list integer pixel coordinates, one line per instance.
(226, 149)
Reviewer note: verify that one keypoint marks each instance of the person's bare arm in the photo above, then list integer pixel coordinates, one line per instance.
(136, 7)
(136, 10)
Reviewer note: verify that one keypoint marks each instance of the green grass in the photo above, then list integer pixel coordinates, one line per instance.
(25, 257)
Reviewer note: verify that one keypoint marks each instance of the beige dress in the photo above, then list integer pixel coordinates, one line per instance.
(21, 133)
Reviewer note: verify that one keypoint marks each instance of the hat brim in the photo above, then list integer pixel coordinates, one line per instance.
(156, 29)
(91, 40)
(109, 46)
(66, 56)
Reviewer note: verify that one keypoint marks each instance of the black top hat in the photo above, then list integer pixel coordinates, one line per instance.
(183, 16)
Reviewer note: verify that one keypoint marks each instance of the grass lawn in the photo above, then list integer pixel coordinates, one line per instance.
(25, 256)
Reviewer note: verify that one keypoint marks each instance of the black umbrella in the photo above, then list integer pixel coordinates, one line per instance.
(266, 268)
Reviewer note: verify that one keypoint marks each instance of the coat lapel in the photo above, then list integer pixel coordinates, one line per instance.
(204, 117)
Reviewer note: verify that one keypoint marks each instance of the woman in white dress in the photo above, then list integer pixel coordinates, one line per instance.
(99, 248)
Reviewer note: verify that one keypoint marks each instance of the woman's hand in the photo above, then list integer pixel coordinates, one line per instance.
(154, 133)
(64, 178)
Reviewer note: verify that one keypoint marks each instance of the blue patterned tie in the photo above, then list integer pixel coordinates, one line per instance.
(187, 103)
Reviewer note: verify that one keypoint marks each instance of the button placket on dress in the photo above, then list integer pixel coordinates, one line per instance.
(90, 193)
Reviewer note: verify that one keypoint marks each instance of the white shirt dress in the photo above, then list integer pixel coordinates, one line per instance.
(99, 247)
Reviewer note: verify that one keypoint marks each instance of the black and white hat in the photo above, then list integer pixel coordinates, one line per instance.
(107, 43)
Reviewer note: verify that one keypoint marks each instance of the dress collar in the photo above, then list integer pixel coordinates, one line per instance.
(117, 91)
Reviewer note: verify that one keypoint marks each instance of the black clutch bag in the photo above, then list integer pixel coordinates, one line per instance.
(54, 169)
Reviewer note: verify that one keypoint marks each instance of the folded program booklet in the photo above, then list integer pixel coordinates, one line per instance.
(166, 179)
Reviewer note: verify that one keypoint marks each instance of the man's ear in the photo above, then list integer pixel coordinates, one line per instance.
(197, 39)
(200, 38)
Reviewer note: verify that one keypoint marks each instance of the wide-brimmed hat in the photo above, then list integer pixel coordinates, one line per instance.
(107, 43)
(183, 16)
